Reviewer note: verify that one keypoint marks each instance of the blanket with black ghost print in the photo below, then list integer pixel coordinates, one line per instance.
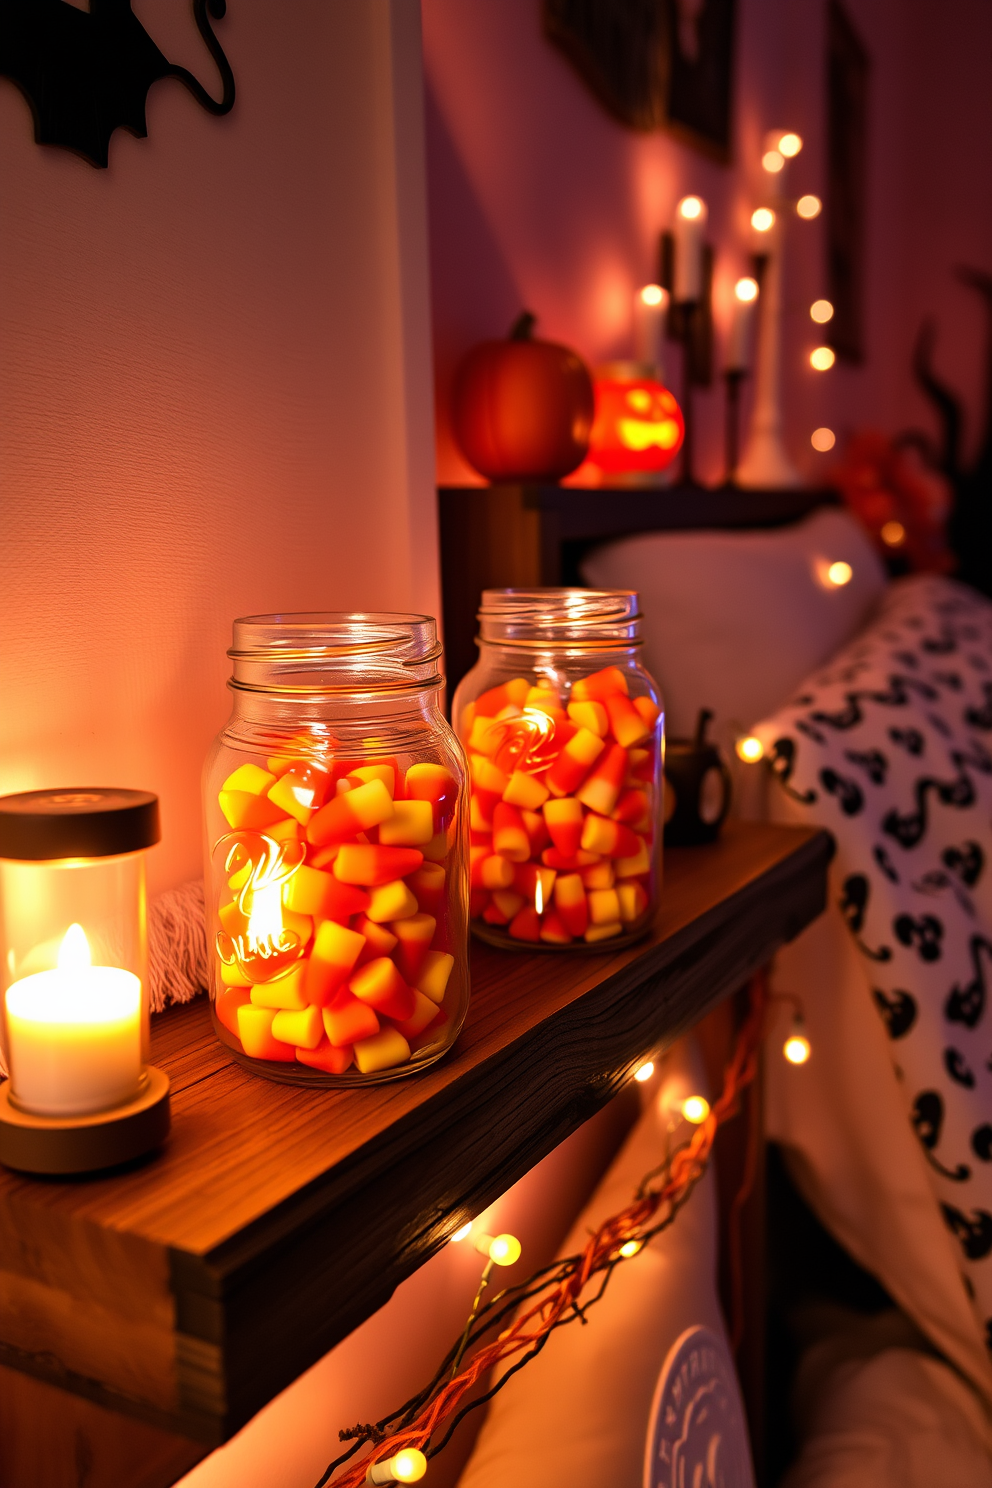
(890, 748)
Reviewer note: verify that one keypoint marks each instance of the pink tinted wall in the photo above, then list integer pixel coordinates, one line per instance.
(538, 198)
(215, 390)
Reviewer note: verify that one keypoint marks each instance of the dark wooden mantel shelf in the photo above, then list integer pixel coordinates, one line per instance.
(190, 1290)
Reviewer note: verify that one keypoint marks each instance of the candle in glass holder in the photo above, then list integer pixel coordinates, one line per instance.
(74, 1034)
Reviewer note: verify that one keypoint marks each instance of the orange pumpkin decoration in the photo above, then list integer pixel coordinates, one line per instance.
(638, 426)
(522, 408)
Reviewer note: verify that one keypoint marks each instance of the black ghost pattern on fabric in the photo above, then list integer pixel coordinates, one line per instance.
(967, 1004)
(872, 761)
(853, 904)
(973, 1232)
(848, 792)
(928, 1117)
(967, 861)
(926, 934)
(908, 828)
(981, 718)
(910, 738)
(957, 1067)
(783, 762)
(881, 856)
(898, 1010)
(981, 1142)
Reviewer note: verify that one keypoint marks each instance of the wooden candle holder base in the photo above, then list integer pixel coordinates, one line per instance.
(85, 1144)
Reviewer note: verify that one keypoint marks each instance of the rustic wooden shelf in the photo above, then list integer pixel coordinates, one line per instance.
(191, 1289)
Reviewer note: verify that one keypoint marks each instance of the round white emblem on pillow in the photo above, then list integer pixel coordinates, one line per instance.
(697, 1435)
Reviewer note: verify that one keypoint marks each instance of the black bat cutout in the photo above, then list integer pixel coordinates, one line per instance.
(927, 1117)
(898, 1010)
(87, 73)
(974, 1232)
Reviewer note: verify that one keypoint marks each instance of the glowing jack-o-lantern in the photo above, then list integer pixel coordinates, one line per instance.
(638, 424)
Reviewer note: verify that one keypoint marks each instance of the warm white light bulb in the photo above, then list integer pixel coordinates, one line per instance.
(746, 290)
(809, 207)
(695, 1109)
(653, 294)
(772, 161)
(630, 1248)
(74, 952)
(504, 1250)
(645, 1072)
(823, 439)
(840, 573)
(893, 534)
(408, 1466)
(763, 220)
(822, 358)
(797, 1048)
(749, 749)
(790, 144)
(462, 1234)
(821, 311)
(690, 207)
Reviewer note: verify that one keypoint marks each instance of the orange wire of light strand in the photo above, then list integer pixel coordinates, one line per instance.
(533, 1326)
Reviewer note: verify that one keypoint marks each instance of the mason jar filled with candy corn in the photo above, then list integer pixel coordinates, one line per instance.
(336, 817)
(564, 731)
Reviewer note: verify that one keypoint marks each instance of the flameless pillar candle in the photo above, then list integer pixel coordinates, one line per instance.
(74, 1034)
(687, 233)
(739, 340)
(650, 310)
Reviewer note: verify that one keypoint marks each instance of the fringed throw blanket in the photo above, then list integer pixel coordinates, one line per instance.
(890, 748)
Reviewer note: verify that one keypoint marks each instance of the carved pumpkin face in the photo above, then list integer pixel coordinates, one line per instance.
(638, 425)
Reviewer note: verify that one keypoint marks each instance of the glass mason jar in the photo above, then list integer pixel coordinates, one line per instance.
(336, 821)
(564, 731)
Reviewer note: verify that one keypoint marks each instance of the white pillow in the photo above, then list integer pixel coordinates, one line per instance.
(578, 1413)
(734, 621)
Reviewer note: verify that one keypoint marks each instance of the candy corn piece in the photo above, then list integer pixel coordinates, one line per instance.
(634, 809)
(536, 883)
(568, 862)
(574, 763)
(379, 940)
(380, 984)
(600, 834)
(599, 686)
(590, 715)
(648, 710)
(489, 870)
(564, 818)
(526, 925)
(411, 825)
(302, 1027)
(226, 1005)
(391, 901)
(427, 885)
(335, 951)
(434, 974)
(356, 811)
(537, 831)
(554, 931)
(600, 875)
(604, 906)
(494, 915)
(429, 782)
(287, 991)
(627, 725)
(348, 1019)
(481, 808)
(633, 900)
(313, 892)
(300, 791)
(637, 864)
(246, 811)
(510, 838)
(602, 932)
(488, 704)
(255, 1033)
(370, 864)
(326, 1057)
(571, 903)
(384, 1050)
(414, 935)
(424, 1012)
(362, 774)
(486, 775)
(601, 789)
(525, 790)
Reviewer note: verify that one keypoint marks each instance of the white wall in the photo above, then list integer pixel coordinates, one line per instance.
(214, 390)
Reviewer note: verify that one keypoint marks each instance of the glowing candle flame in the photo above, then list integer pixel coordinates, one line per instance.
(74, 952)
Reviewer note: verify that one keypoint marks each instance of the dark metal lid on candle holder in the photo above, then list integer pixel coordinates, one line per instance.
(85, 822)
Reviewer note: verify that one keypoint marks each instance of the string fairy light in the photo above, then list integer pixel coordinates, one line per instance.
(749, 749)
(519, 1320)
(408, 1466)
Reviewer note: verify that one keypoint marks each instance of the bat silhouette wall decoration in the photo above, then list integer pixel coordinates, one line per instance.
(87, 73)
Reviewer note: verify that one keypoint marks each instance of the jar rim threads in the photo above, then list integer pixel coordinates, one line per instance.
(329, 651)
(592, 619)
